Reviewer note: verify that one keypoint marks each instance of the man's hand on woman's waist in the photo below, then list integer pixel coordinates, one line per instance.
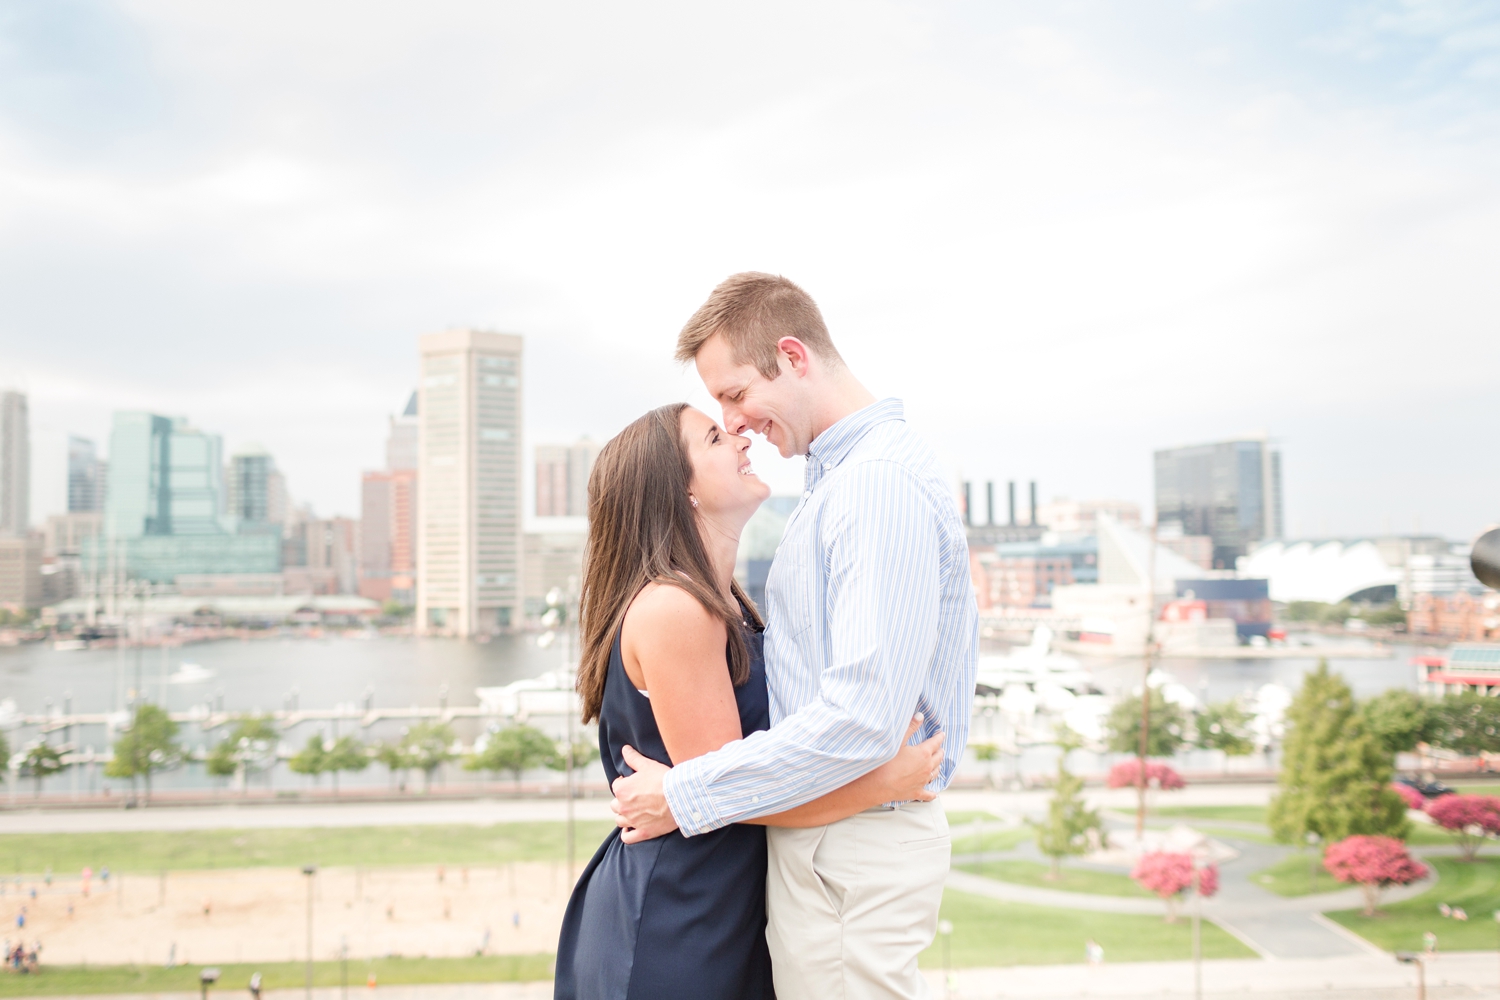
(640, 806)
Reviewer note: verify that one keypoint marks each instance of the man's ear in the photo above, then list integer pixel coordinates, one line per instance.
(796, 353)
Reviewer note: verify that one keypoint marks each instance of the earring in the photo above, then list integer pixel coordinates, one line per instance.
(694, 501)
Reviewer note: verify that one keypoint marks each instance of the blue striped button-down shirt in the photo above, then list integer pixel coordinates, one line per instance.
(870, 617)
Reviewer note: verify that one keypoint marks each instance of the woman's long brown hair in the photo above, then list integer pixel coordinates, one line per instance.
(642, 529)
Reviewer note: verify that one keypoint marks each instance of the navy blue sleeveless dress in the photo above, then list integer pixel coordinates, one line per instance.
(675, 918)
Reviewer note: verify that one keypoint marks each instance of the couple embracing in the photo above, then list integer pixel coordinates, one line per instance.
(775, 778)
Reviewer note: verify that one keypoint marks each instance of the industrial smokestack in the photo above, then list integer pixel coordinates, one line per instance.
(1011, 485)
(967, 519)
(1033, 503)
(989, 502)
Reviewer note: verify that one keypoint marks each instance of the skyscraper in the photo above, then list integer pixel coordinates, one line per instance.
(401, 441)
(562, 478)
(1228, 490)
(15, 464)
(164, 511)
(87, 476)
(469, 483)
(388, 516)
(253, 491)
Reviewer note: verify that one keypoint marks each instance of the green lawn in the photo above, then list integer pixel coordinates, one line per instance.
(1300, 874)
(987, 932)
(1474, 887)
(1237, 814)
(993, 839)
(370, 845)
(71, 979)
(1068, 880)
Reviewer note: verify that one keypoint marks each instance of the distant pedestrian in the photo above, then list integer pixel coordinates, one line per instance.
(515, 920)
(255, 985)
(442, 873)
(21, 919)
(1429, 942)
(86, 875)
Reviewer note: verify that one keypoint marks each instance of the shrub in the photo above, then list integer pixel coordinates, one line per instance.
(1372, 862)
(1413, 798)
(1169, 875)
(1470, 818)
(1126, 774)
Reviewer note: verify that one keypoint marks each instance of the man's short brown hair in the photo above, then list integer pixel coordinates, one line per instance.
(753, 311)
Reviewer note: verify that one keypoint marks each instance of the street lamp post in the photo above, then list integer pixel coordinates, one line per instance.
(1412, 958)
(309, 871)
(556, 617)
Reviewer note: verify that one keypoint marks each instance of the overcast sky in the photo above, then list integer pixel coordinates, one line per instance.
(1065, 233)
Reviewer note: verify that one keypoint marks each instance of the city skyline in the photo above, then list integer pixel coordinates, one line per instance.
(1123, 232)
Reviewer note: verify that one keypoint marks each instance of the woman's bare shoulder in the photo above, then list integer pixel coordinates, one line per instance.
(661, 609)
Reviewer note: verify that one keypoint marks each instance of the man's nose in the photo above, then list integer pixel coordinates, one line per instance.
(734, 420)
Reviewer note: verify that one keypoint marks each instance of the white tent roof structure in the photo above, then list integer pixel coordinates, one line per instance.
(1319, 571)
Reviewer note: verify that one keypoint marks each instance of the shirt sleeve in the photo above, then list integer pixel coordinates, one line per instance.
(879, 538)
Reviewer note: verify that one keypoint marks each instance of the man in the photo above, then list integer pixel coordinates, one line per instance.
(870, 618)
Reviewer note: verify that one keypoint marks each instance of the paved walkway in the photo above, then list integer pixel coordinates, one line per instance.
(1274, 927)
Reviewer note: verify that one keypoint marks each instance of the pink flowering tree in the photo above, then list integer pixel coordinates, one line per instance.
(1372, 863)
(1126, 774)
(1170, 875)
(1413, 798)
(1470, 818)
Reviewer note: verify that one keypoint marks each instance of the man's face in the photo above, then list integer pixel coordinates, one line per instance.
(752, 402)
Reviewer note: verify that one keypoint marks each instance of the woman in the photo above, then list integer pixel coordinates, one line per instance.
(671, 666)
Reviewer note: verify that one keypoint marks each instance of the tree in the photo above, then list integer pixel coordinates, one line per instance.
(1226, 727)
(425, 747)
(1470, 818)
(42, 760)
(1169, 874)
(346, 754)
(4, 757)
(1127, 774)
(149, 745)
(250, 746)
(515, 749)
(1373, 863)
(584, 754)
(430, 745)
(1398, 719)
(312, 759)
(1168, 726)
(1071, 827)
(1467, 724)
(1335, 775)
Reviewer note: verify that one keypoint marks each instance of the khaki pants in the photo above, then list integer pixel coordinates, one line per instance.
(850, 905)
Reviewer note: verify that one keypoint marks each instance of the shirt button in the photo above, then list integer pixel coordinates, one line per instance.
(755, 798)
(697, 817)
(806, 494)
(827, 466)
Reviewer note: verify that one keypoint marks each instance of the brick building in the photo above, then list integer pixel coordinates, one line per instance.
(1462, 617)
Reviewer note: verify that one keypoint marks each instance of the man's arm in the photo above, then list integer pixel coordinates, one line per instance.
(882, 610)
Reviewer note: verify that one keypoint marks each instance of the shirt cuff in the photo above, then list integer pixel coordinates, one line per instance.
(687, 796)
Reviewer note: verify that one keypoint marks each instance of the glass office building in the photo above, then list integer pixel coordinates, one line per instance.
(1228, 490)
(164, 511)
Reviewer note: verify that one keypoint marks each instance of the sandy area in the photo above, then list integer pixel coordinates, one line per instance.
(260, 914)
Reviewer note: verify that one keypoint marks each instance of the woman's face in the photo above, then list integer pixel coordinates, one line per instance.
(723, 483)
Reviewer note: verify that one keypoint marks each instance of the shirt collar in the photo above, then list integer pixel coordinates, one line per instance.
(833, 445)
